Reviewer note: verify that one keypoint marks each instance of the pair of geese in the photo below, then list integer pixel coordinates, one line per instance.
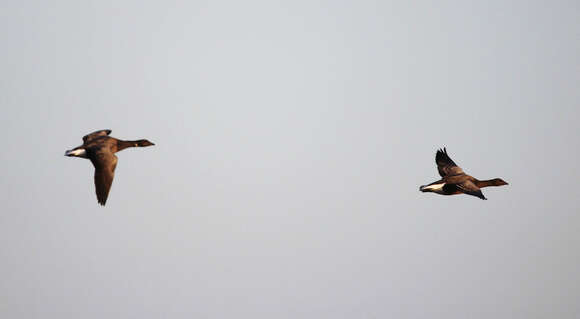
(100, 149)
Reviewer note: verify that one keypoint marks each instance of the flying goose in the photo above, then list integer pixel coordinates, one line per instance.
(455, 181)
(100, 148)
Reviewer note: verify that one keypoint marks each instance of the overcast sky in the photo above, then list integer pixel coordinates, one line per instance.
(291, 140)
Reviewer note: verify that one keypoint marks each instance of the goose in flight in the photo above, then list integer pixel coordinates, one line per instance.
(454, 181)
(100, 149)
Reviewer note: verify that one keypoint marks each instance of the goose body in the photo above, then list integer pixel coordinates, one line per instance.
(100, 149)
(454, 181)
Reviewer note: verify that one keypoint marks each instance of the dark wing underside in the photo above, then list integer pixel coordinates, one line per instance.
(469, 188)
(94, 134)
(105, 163)
(445, 165)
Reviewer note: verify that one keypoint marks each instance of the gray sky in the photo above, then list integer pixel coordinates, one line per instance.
(292, 137)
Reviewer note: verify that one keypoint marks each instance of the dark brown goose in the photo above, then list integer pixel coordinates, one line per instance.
(100, 148)
(455, 181)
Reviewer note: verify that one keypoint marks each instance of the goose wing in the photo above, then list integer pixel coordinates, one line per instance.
(95, 134)
(445, 165)
(105, 163)
(469, 188)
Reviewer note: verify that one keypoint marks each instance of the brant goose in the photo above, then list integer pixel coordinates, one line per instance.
(100, 148)
(455, 181)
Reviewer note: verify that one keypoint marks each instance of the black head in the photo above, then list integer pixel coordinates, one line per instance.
(143, 143)
(499, 182)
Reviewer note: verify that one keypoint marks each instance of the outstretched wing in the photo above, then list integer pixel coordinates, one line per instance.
(94, 134)
(105, 163)
(445, 165)
(468, 187)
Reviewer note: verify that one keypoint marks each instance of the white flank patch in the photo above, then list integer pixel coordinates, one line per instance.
(434, 187)
(77, 152)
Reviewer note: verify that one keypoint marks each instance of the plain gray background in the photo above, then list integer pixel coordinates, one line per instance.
(292, 137)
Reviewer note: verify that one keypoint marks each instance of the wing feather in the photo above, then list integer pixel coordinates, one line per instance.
(468, 187)
(95, 134)
(445, 165)
(105, 163)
